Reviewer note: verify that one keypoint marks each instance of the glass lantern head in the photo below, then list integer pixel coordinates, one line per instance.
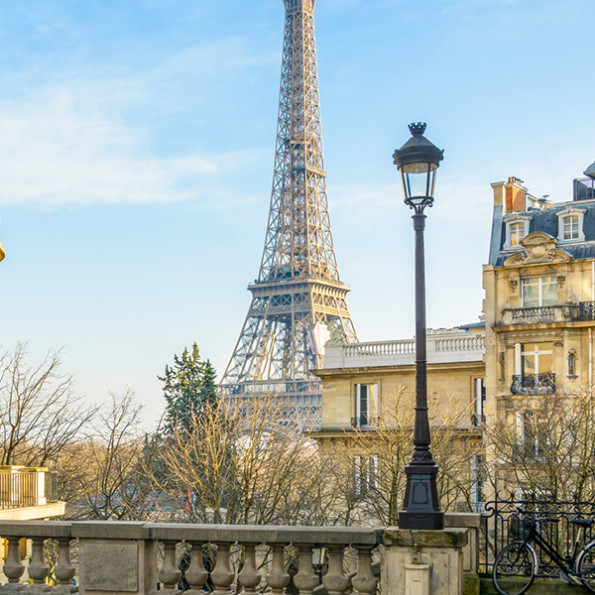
(418, 160)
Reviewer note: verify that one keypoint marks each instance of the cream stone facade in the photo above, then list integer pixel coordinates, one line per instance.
(539, 329)
(539, 300)
(368, 391)
(357, 379)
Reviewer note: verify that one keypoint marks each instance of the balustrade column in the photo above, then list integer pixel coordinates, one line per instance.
(249, 578)
(364, 581)
(170, 574)
(222, 576)
(196, 575)
(65, 569)
(306, 579)
(13, 567)
(335, 580)
(39, 568)
(278, 578)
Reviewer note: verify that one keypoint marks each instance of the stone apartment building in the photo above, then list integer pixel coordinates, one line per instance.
(539, 301)
(363, 385)
(539, 320)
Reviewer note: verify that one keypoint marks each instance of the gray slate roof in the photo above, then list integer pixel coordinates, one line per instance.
(546, 220)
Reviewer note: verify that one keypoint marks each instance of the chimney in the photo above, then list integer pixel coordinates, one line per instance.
(515, 195)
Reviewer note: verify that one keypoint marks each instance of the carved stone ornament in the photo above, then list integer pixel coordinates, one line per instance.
(513, 279)
(538, 247)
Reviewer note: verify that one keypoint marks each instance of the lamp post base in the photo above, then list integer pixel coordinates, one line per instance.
(422, 508)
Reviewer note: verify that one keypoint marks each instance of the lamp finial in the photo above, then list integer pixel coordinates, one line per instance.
(417, 128)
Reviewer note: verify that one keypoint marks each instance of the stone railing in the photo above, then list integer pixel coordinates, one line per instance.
(128, 557)
(440, 347)
(554, 313)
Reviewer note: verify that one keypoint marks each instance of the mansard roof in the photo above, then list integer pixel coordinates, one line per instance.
(546, 220)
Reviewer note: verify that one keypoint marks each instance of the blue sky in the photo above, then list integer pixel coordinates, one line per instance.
(136, 153)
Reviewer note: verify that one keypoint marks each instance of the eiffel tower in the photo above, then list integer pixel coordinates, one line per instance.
(298, 299)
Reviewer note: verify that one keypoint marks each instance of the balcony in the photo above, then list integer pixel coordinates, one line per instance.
(28, 493)
(533, 384)
(586, 311)
(442, 347)
(536, 314)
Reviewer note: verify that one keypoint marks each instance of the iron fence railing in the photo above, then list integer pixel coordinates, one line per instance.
(586, 311)
(26, 487)
(583, 189)
(499, 527)
(533, 384)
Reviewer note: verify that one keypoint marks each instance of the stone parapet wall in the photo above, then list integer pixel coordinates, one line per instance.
(128, 557)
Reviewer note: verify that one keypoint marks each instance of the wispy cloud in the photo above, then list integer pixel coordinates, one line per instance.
(79, 139)
(56, 150)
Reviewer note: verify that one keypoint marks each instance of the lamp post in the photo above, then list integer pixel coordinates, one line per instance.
(417, 160)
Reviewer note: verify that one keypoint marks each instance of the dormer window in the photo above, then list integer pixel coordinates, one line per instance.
(570, 225)
(517, 233)
(570, 228)
(516, 229)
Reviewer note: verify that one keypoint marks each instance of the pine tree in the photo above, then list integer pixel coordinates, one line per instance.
(189, 386)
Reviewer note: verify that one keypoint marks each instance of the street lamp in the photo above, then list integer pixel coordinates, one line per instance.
(418, 160)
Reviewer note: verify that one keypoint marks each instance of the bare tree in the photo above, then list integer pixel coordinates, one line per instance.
(39, 413)
(103, 474)
(375, 459)
(242, 465)
(546, 447)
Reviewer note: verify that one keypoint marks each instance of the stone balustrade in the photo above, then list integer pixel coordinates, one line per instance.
(441, 347)
(140, 558)
(537, 314)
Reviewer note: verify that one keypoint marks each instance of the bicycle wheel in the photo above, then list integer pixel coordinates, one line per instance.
(585, 566)
(514, 568)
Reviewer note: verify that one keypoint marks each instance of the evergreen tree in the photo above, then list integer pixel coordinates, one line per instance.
(189, 386)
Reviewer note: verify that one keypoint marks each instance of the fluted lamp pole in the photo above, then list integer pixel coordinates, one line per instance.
(418, 160)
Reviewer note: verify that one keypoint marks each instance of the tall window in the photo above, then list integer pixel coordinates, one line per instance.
(534, 369)
(480, 395)
(536, 359)
(365, 474)
(571, 363)
(570, 227)
(531, 434)
(539, 291)
(366, 404)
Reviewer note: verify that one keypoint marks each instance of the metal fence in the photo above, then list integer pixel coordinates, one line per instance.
(19, 489)
(499, 528)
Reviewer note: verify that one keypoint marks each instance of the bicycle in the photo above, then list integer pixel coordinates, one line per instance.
(516, 565)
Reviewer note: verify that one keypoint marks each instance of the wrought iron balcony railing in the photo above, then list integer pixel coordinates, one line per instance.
(533, 384)
(586, 311)
(364, 422)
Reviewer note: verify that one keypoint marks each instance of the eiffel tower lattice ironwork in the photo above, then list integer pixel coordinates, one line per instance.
(298, 289)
